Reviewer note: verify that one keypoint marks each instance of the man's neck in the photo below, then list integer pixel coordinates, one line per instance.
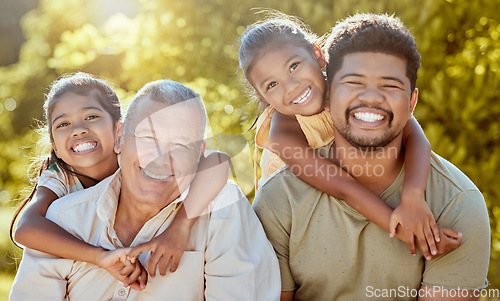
(131, 216)
(374, 168)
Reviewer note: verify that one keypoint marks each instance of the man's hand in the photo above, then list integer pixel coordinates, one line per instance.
(166, 247)
(116, 262)
(417, 220)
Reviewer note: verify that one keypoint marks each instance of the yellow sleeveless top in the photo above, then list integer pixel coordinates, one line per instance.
(318, 130)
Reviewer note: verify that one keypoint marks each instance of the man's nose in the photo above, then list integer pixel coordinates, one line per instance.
(162, 158)
(371, 96)
(161, 162)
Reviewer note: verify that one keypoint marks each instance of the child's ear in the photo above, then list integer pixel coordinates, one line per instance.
(55, 149)
(413, 101)
(318, 53)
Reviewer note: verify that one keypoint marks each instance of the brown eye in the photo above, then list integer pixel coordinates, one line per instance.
(62, 124)
(272, 85)
(90, 117)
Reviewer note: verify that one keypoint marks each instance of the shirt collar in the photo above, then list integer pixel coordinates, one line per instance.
(107, 202)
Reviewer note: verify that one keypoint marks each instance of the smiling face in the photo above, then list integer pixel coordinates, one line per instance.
(370, 99)
(160, 153)
(289, 78)
(83, 134)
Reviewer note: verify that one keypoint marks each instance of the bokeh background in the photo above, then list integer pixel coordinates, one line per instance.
(132, 42)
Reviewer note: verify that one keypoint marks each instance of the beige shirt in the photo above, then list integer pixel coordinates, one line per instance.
(317, 128)
(228, 257)
(329, 251)
(59, 181)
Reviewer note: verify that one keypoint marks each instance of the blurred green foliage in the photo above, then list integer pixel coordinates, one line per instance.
(195, 42)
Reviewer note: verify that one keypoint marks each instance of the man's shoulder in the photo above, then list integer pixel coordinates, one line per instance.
(449, 176)
(447, 184)
(282, 177)
(74, 202)
(283, 188)
(229, 195)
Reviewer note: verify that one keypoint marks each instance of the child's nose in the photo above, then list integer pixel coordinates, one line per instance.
(79, 131)
(291, 85)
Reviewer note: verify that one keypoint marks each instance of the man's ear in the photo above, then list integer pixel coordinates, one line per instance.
(413, 100)
(203, 147)
(318, 53)
(118, 137)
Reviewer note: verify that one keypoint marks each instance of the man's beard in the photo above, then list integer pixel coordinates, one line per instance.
(368, 143)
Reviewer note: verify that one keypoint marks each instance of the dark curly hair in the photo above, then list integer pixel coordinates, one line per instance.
(372, 33)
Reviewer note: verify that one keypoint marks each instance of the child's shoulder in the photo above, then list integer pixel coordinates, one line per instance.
(59, 181)
(317, 128)
(263, 125)
(54, 167)
(79, 201)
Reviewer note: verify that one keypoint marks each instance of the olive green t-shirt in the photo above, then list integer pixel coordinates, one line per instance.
(329, 251)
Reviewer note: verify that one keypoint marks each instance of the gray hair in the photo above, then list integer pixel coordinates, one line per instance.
(170, 93)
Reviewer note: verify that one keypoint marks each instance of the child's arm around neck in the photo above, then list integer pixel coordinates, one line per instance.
(36, 232)
(413, 212)
(286, 138)
(210, 179)
(39, 233)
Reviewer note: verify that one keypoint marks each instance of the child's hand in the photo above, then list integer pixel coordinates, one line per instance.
(117, 264)
(135, 275)
(169, 245)
(417, 220)
(449, 242)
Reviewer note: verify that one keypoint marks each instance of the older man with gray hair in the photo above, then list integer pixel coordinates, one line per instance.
(228, 256)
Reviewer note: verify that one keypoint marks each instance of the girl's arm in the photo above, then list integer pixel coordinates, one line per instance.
(413, 212)
(36, 232)
(211, 177)
(286, 138)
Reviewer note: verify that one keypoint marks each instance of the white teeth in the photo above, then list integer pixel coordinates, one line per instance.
(302, 97)
(84, 146)
(368, 117)
(155, 176)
